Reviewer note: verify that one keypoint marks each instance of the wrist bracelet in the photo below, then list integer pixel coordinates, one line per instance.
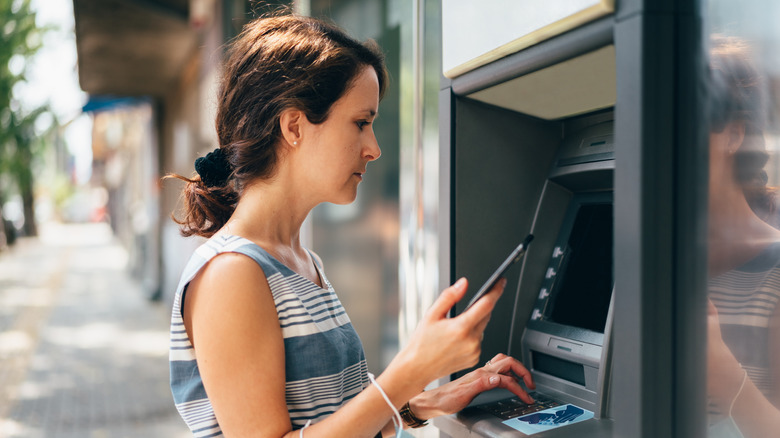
(409, 418)
(397, 422)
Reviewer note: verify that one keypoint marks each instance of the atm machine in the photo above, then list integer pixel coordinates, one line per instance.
(560, 314)
(583, 138)
(534, 152)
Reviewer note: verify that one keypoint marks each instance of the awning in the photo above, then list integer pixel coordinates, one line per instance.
(132, 47)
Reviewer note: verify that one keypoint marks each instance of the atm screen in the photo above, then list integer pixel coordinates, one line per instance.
(583, 288)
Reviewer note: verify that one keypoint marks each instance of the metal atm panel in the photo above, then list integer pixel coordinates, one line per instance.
(569, 363)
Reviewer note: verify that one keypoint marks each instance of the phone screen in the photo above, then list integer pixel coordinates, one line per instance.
(513, 258)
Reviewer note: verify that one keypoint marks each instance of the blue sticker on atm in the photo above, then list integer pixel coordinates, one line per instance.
(549, 419)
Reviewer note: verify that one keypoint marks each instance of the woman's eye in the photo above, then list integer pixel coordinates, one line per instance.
(361, 124)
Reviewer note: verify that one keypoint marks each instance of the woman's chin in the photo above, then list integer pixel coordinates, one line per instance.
(345, 200)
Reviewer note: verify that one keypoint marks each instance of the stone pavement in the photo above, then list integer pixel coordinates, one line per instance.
(83, 353)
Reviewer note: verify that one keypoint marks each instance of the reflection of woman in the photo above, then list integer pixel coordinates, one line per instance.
(261, 345)
(744, 257)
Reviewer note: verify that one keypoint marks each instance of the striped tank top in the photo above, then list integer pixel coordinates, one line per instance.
(324, 361)
(746, 299)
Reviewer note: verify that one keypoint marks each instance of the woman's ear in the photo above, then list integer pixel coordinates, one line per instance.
(290, 124)
(736, 131)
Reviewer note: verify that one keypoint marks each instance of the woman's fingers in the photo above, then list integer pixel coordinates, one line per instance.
(487, 381)
(506, 365)
(448, 297)
(510, 384)
(519, 370)
(456, 341)
(479, 313)
(497, 358)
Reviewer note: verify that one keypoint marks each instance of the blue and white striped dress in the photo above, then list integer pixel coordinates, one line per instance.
(325, 363)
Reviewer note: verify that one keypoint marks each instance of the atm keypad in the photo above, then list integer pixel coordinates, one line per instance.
(514, 407)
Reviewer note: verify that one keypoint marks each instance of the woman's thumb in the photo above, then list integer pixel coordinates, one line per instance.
(448, 298)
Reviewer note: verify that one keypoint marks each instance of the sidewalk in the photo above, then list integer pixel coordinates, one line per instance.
(83, 354)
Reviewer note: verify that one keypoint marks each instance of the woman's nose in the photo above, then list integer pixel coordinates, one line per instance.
(372, 150)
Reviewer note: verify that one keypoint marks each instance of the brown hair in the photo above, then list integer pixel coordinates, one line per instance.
(737, 95)
(276, 63)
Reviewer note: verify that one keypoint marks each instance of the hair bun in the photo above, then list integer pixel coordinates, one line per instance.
(214, 169)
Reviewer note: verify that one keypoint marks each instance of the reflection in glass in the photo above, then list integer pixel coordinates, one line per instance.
(743, 242)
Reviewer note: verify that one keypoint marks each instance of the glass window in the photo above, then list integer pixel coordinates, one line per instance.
(743, 364)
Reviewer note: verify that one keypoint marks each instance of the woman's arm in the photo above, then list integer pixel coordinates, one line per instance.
(231, 318)
(439, 346)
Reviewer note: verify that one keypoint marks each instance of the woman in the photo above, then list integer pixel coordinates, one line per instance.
(261, 345)
(744, 255)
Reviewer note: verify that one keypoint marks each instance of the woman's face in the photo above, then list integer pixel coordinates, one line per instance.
(338, 150)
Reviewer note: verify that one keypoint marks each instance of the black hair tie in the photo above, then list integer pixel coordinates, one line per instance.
(214, 169)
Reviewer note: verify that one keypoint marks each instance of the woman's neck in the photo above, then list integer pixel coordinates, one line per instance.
(271, 217)
(268, 214)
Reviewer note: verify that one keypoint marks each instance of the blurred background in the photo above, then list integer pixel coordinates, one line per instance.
(99, 99)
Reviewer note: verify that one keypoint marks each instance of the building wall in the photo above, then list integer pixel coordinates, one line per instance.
(187, 132)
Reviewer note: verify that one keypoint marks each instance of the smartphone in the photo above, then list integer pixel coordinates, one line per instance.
(513, 258)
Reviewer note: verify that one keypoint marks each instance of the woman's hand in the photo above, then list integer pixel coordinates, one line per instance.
(441, 345)
(500, 372)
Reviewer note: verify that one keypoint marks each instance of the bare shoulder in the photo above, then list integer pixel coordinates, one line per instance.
(229, 284)
(231, 267)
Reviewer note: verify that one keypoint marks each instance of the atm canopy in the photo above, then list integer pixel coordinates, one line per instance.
(132, 47)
